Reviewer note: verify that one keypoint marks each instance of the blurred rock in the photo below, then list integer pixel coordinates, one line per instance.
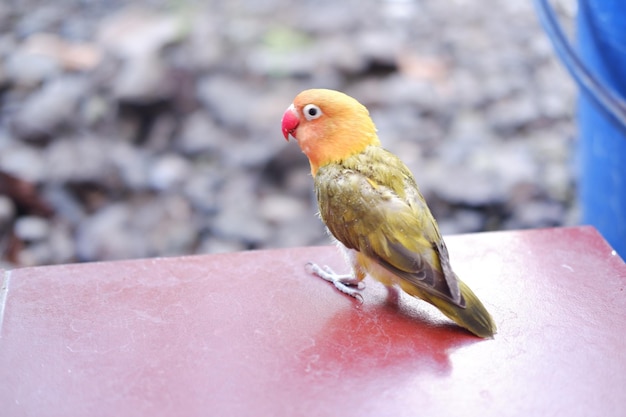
(474, 189)
(24, 194)
(7, 212)
(23, 162)
(206, 47)
(131, 164)
(66, 206)
(199, 135)
(77, 160)
(29, 70)
(168, 172)
(31, 228)
(43, 18)
(167, 226)
(201, 188)
(50, 108)
(306, 230)
(62, 244)
(512, 114)
(137, 37)
(143, 79)
(72, 56)
(249, 153)
(57, 247)
(537, 214)
(462, 221)
(228, 100)
(108, 235)
(216, 245)
(238, 217)
(286, 52)
(281, 208)
(36, 254)
(136, 31)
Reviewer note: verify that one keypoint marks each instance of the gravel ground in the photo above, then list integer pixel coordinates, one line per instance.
(154, 130)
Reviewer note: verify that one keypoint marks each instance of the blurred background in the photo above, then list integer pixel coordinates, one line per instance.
(152, 128)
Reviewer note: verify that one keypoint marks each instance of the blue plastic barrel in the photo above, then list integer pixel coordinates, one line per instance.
(599, 66)
(602, 142)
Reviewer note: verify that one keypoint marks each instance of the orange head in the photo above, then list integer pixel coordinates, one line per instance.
(329, 126)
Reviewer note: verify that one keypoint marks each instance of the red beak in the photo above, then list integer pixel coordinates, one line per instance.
(290, 122)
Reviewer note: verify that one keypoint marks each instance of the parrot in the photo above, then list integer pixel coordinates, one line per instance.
(370, 203)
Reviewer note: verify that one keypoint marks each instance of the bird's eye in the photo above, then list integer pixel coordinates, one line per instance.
(311, 111)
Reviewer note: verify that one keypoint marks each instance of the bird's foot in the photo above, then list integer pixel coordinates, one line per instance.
(345, 283)
(393, 296)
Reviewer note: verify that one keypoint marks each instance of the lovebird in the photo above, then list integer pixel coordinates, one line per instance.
(370, 203)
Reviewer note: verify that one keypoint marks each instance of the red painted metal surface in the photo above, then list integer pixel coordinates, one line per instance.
(253, 334)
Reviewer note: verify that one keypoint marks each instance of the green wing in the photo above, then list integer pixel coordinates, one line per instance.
(371, 203)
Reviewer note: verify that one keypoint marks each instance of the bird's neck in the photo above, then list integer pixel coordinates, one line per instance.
(324, 148)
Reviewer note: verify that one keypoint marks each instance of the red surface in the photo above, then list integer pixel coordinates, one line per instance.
(253, 334)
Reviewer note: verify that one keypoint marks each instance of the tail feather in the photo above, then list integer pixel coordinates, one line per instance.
(473, 317)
